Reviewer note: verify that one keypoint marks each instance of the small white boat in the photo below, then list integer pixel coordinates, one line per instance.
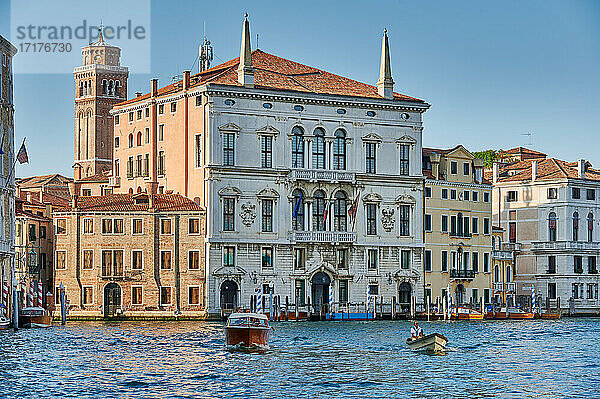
(4, 323)
(433, 343)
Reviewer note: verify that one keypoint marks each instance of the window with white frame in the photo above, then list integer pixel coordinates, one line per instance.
(88, 259)
(88, 226)
(137, 259)
(165, 260)
(194, 260)
(228, 149)
(166, 295)
(266, 151)
(404, 159)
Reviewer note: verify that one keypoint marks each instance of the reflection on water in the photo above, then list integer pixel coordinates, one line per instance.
(543, 359)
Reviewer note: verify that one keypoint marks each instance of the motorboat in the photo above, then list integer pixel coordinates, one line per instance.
(466, 314)
(432, 343)
(4, 323)
(518, 314)
(548, 315)
(247, 330)
(499, 314)
(35, 317)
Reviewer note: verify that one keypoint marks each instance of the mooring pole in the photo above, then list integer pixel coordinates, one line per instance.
(63, 305)
(15, 298)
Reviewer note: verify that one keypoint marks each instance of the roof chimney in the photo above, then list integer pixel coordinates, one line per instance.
(151, 187)
(28, 194)
(581, 168)
(385, 84)
(496, 168)
(534, 170)
(186, 80)
(74, 191)
(153, 87)
(245, 70)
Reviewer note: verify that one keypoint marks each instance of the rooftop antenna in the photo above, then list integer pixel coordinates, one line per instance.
(257, 42)
(205, 55)
(529, 136)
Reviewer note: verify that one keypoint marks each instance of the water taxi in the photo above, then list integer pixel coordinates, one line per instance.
(35, 317)
(432, 343)
(466, 314)
(4, 323)
(247, 330)
(548, 315)
(518, 314)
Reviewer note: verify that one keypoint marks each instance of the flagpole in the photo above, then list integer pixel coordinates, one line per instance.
(14, 165)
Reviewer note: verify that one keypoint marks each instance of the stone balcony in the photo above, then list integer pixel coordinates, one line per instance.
(511, 246)
(462, 274)
(505, 287)
(542, 246)
(502, 255)
(322, 236)
(324, 175)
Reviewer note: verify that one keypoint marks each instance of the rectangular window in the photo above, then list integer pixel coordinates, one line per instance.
(512, 232)
(194, 260)
(486, 262)
(592, 291)
(198, 151)
(138, 166)
(300, 292)
(466, 226)
(61, 260)
(577, 291)
(404, 220)
(228, 214)
(373, 289)
(552, 193)
(267, 258)
(466, 196)
(139, 114)
(136, 295)
(88, 226)
(266, 151)
(404, 159)
(193, 226)
(427, 260)
(112, 263)
(372, 259)
(427, 222)
(591, 194)
(427, 192)
(475, 259)
(166, 295)
(486, 295)
(592, 265)
(475, 295)
(453, 225)
(453, 194)
(228, 149)
(194, 295)
(107, 226)
(453, 167)
(299, 258)
(88, 259)
(486, 197)
(551, 264)
(466, 168)
(444, 223)
(486, 226)
(198, 101)
(137, 260)
(577, 264)
(161, 163)
(173, 107)
(343, 291)
(42, 232)
(405, 259)
(147, 112)
(229, 256)
(86, 192)
(370, 157)
(475, 225)
(130, 168)
(61, 226)
(475, 196)
(161, 132)
(511, 196)
(165, 226)
(165, 260)
(117, 119)
(136, 226)
(146, 165)
(161, 109)
(552, 290)
(371, 219)
(575, 193)
(88, 295)
(444, 261)
(267, 216)
(342, 258)
(131, 116)
(444, 193)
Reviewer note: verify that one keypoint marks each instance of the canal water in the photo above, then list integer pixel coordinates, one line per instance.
(508, 359)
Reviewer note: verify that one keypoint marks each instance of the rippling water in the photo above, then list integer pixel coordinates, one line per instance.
(544, 359)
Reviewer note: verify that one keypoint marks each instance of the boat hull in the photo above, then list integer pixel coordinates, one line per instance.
(548, 316)
(247, 337)
(433, 343)
(520, 316)
(40, 321)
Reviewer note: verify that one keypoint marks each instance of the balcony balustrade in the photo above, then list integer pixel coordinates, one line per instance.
(502, 255)
(114, 181)
(322, 236)
(511, 246)
(325, 175)
(460, 235)
(462, 274)
(565, 246)
(498, 287)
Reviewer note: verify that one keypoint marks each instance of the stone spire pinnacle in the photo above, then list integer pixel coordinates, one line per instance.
(245, 70)
(385, 84)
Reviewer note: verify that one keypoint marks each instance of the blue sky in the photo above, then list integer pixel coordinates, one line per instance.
(492, 71)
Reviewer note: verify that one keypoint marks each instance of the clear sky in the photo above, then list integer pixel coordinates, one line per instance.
(492, 71)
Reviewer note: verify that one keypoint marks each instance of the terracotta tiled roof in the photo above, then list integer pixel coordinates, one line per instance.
(521, 150)
(39, 181)
(276, 73)
(134, 202)
(55, 200)
(30, 215)
(548, 169)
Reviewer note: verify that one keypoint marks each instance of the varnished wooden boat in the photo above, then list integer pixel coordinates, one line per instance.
(4, 323)
(548, 315)
(247, 330)
(466, 314)
(34, 317)
(497, 314)
(518, 314)
(433, 343)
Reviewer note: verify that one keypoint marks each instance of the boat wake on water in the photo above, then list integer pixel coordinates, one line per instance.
(248, 349)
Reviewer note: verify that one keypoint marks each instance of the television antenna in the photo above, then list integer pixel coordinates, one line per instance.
(529, 137)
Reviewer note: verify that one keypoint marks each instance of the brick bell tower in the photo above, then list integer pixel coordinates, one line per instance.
(99, 84)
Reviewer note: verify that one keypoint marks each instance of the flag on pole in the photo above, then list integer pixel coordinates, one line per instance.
(259, 299)
(325, 215)
(297, 206)
(22, 154)
(353, 209)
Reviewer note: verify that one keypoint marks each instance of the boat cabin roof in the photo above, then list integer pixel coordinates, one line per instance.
(242, 315)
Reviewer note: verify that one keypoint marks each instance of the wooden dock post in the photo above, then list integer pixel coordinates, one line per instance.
(482, 305)
(427, 299)
(412, 306)
(287, 308)
(445, 307)
(394, 307)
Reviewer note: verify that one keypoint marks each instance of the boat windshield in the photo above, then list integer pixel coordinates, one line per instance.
(256, 322)
(238, 321)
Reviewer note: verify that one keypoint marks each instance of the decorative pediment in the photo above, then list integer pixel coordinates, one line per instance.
(230, 127)
(228, 271)
(406, 139)
(372, 137)
(230, 191)
(406, 199)
(268, 193)
(372, 197)
(268, 130)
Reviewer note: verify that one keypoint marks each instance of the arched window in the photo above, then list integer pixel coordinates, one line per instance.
(90, 87)
(81, 89)
(319, 211)
(590, 227)
(575, 226)
(117, 86)
(130, 140)
(139, 138)
(319, 149)
(111, 88)
(459, 224)
(494, 242)
(85, 88)
(104, 88)
(339, 150)
(130, 190)
(340, 211)
(496, 273)
(297, 147)
(552, 226)
(139, 189)
(298, 210)
(508, 274)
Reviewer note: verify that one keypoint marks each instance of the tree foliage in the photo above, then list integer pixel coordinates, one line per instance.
(488, 156)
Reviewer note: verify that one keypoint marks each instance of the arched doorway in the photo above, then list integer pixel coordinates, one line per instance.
(404, 293)
(460, 294)
(229, 291)
(112, 299)
(320, 289)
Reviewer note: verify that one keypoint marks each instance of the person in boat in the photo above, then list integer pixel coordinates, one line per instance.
(416, 331)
